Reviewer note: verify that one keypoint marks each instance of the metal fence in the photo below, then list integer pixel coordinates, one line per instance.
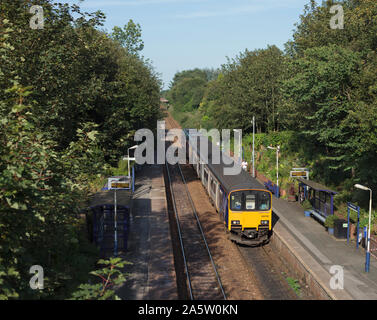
(103, 227)
(373, 246)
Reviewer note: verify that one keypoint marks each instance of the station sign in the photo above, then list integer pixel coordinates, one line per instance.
(352, 206)
(299, 173)
(115, 183)
(120, 185)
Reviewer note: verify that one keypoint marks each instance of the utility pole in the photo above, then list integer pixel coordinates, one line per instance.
(367, 257)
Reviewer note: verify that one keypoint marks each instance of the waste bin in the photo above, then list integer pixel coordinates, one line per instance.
(340, 229)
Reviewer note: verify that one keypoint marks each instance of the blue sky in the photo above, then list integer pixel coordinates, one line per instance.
(185, 34)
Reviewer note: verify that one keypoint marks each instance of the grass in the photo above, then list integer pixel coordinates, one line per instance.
(295, 285)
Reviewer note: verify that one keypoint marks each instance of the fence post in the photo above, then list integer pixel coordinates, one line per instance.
(115, 225)
(365, 236)
(348, 225)
(357, 228)
(133, 179)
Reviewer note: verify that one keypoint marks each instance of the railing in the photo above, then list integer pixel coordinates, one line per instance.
(272, 187)
(103, 226)
(373, 246)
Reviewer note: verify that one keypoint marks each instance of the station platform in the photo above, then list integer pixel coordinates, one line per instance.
(152, 274)
(318, 251)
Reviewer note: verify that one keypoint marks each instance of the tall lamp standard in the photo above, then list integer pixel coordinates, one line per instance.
(277, 167)
(253, 156)
(367, 257)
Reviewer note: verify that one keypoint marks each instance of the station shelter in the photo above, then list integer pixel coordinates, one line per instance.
(320, 197)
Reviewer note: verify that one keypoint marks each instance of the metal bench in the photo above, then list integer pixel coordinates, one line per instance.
(317, 215)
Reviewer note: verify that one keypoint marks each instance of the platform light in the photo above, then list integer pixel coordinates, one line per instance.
(277, 167)
(367, 257)
(359, 186)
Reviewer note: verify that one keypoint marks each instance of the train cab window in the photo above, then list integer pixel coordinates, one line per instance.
(236, 201)
(250, 200)
(264, 201)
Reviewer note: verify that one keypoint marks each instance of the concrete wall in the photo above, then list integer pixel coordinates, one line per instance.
(302, 272)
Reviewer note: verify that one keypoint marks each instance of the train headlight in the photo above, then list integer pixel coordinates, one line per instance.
(264, 222)
(235, 221)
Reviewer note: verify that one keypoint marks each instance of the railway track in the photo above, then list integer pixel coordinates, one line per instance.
(269, 274)
(268, 271)
(203, 281)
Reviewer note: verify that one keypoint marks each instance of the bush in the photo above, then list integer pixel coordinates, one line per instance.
(330, 221)
(107, 277)
(306, 204)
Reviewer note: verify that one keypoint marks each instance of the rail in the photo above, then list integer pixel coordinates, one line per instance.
(181, 238)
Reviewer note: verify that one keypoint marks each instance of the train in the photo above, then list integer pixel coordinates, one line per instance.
(245, 208)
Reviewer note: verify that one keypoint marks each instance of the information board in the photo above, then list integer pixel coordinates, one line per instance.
(299, 173)
(122, 183)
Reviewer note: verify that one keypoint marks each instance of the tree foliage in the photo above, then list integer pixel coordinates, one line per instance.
(70, 99)
(129, 37)
(324, 87)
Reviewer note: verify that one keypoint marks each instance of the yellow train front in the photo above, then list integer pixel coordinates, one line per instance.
(249, 216)
(240, 200)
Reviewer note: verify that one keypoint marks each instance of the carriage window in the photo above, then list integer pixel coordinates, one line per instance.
(205, 175)
(213, 186)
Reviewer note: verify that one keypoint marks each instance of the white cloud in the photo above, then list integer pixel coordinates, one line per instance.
(119, 3)
(257, 6)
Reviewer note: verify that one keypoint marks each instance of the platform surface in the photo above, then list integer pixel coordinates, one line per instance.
(152, 274)
(326, 251)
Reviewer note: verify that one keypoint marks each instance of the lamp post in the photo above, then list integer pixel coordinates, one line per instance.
(277, 167)
(128, 158)
(367, 257)
(253, 156)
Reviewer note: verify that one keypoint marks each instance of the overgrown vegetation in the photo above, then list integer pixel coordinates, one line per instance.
(317, 99)
(71, 98)
(106, 278)
(295, 285)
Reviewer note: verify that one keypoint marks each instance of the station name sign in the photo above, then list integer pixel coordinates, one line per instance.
(120, 185)
(115, 183)
(300, 173)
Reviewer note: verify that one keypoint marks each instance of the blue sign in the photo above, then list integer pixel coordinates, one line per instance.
(351, 206)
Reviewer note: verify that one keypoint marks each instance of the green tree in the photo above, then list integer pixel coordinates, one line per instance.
(129, 37)
(70, 99)
(187, 89)
(248, 85)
